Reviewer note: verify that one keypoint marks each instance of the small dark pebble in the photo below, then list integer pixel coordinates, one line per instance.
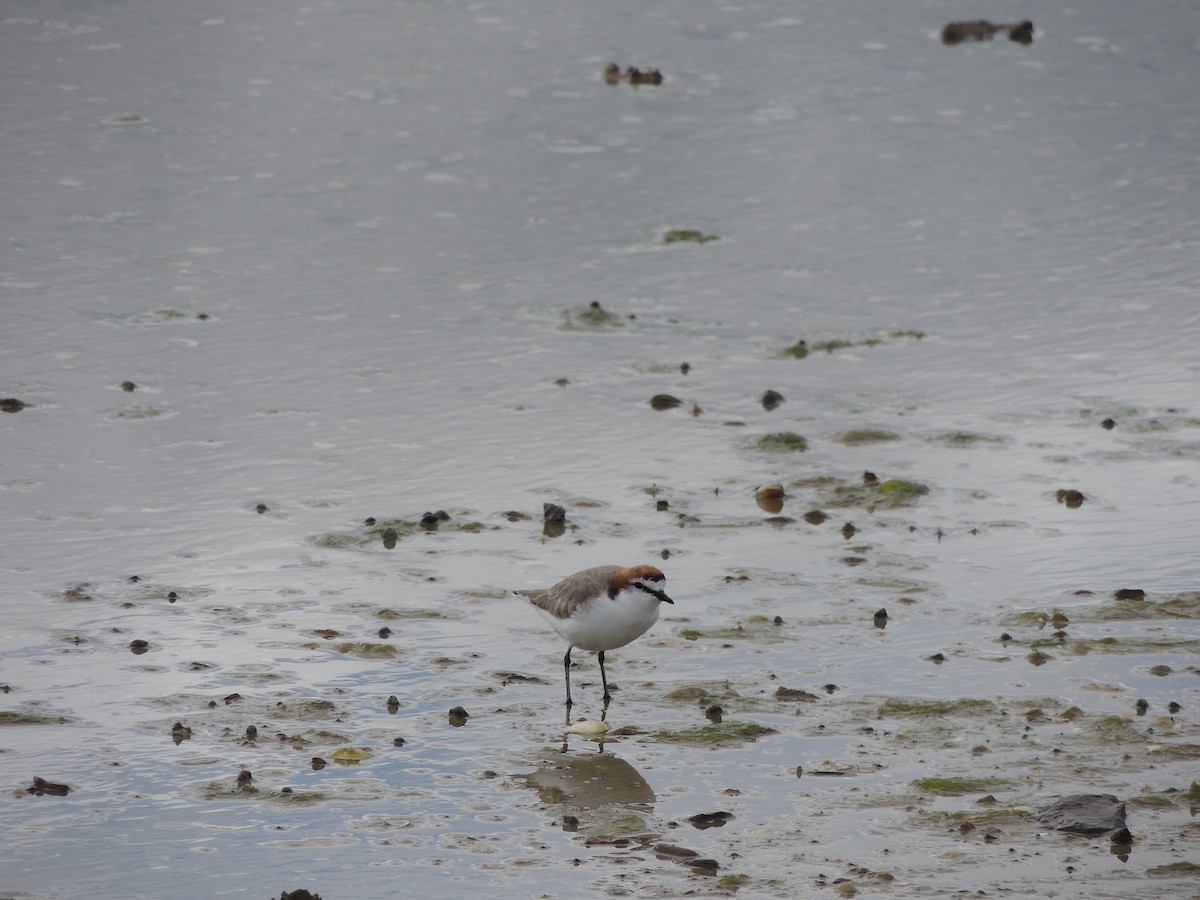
(232, 698)
(203, 317)
(1006, 637)
(704, 866)
(553, 513)
(134, 579)
(369, 521)
(881, 614)
(172, 597)
(1173, 707)
(299, 894)
(815, 517)
(393, 704)
(139, 646)
(128, 386)
(870, 478)
(662, 402)
(848, 530)
(662, 505)
(938, 658)
(570, 823)
(830, 688)
(41, 786)
(398, 742)
(685, 367)
(261, 508)
(430, 521)
(1073, 499)
(1142, 706)
(771, 399)
(458, 717)
(714, 713)
(1130, 594)
(318, 764)
(778, 620)
(1108, 424)
(389, 537)
(385, 632)
(244, 777)
(1121, 836)
(251, 732)
(12, 405)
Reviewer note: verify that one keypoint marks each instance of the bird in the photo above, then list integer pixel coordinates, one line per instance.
(600, 609)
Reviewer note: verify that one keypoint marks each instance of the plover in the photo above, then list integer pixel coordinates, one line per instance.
(601, 609)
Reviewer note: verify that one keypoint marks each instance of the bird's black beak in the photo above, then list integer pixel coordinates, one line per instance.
(663, 597)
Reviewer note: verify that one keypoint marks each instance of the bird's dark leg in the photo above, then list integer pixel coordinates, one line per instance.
(567, 670)
(603, 678)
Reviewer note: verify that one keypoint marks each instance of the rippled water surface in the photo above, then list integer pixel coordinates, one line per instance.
(344, 254)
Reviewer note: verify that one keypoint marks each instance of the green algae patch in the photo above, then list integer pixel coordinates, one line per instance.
(16, 717)
(757, 628)
(388, 613)
(900, 492)
(687, 235)
(366, 650)
(857, 436)
(891, 494)
(945, 786)
(781, 442)
(1127, 645)
(715, 735)
(306, 710)
(1175, 870)
(1176, 751)
(1116, 730)
(965, 439)
(592, 317)
(900, 706)
(995, 817)
(138, 412)
(801, 349)
(732, 882)
(298, 798)
(1177, 606)
(79, 593)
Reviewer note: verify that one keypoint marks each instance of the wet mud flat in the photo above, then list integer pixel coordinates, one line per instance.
(882, 350)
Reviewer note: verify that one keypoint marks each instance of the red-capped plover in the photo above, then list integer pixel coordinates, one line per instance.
(601, 609)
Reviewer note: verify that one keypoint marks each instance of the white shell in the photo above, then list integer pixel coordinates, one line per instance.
(588, 726)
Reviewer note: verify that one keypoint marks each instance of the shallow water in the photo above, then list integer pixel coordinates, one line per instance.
(346, 252)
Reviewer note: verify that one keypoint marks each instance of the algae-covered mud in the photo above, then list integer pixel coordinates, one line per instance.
(883, 350)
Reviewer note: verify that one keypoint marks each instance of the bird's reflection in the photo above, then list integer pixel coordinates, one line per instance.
(582, 781)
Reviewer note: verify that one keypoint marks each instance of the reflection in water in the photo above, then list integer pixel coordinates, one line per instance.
(589, 781)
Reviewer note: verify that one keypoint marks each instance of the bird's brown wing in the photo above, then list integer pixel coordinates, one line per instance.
(581, 588)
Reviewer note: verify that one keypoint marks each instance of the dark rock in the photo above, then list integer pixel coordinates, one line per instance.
(982, 30)
(1084, 814)
(41, 787)
(12, 405)
(710, 820)
(662, 402)
(771, 399)
(1130, 594)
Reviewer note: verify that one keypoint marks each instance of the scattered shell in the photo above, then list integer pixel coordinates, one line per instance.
(588, 726)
